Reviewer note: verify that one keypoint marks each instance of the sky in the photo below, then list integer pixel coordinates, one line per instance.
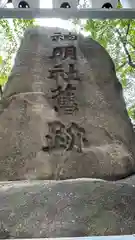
(49, 22)
(54, 22)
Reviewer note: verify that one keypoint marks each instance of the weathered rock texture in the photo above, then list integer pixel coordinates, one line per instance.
(39, 140)
(103, 145)
(66, 209)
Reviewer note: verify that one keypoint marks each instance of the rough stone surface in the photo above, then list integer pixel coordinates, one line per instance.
(101, 120)
(70, 208)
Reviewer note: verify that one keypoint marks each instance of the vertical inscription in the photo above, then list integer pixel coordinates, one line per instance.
(67, 100)
(64, 95)
(65, 137)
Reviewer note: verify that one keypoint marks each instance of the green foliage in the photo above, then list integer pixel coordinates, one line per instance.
(119, 5)
(11, 31)
(131, 112)
(118, 38)
(1, 60)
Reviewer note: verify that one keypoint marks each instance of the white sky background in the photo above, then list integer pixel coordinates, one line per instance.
(52, 22)
(55, 22)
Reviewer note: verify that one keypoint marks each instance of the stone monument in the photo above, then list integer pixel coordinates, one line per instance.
(63, 122)
(62, 114)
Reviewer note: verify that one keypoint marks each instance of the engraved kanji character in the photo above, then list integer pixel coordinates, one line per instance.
(57, 137)
(77, 133)
(70, 51)
(72, 37)
(60, 89)
(57, 53)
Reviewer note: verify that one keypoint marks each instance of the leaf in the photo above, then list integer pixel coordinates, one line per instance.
(131, 112)
(3, 79)
(124, 82)
(1, 59)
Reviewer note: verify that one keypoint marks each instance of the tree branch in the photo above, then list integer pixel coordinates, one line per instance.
(124, 43)
(1, 92)
(128, 27)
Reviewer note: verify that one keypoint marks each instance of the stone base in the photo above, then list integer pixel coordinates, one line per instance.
(71, 208)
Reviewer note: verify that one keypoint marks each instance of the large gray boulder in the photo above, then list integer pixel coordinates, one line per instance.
(83, 132)
(70, 208)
